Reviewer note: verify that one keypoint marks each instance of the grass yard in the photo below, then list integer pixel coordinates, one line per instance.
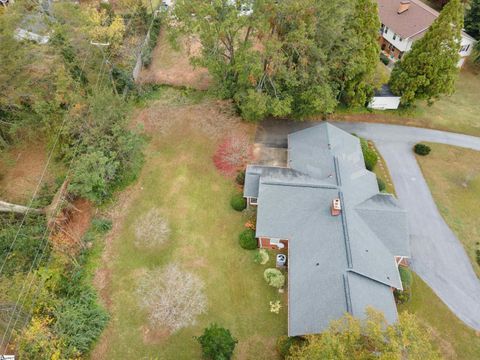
(453, 338)
(180, 180)
(453, 175)
(456, 113)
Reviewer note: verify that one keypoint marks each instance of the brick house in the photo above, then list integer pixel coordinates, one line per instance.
(344, 238)
(404, 22)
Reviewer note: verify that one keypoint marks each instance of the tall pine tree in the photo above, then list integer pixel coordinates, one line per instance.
(358, 54)
(429, 69)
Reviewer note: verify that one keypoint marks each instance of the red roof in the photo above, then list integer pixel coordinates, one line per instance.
(411, 22)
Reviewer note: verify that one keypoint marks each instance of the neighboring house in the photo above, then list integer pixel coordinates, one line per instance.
(384, 99)
(404, 22)
(344, 238)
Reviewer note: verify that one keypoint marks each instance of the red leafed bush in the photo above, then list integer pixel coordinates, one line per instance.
(232, 154)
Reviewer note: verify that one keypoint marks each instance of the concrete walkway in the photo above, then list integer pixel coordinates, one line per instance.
(437, 255)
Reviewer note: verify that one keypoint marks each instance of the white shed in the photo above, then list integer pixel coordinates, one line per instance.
(384, 99)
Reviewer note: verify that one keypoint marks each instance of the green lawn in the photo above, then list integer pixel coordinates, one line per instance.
(452, 337)
(180, 179)
(453, 175)
(456, 113)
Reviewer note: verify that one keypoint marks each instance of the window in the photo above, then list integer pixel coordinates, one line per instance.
(253, 201)
(400, 39)
(386, 30)
(394, 36)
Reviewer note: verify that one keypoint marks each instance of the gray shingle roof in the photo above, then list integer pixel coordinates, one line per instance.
(336, 264)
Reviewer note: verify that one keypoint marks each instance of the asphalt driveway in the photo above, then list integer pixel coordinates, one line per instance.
(438, 256)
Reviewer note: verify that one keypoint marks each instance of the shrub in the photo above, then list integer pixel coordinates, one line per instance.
(422, 149)
(217, 343)
(274, 277)
(402, 297)
(406, 276)
(80, 320)
(232, 154)
(477, 253)
(238, 202)
(247, 239)
(240, 179)
(102, 225)
(384, 59)
(381, 184)
(284, 343)
(261, 257)
(369, 155)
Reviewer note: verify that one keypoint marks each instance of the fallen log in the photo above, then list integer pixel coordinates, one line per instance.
(19, 209)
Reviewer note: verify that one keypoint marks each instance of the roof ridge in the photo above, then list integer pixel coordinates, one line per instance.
(352, 270)
(315, 186)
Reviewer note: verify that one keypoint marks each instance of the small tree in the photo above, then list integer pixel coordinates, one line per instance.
(217, 343)
(429, 69)
(274, 277)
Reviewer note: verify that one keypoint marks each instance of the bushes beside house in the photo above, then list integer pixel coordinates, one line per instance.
(261, 257)
(369, 155)
(384, 59)
(240, 178)
(422, 149)
(274, 277)
(381, 184)
(402, 297)
(238, 202)
(247, 239)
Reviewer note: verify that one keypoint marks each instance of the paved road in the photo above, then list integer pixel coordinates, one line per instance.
(437, 255)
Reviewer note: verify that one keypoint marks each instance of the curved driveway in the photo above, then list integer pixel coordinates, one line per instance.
(437, 255)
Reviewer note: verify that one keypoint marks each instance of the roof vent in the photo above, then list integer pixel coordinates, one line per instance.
(336, 207)
(404, 6)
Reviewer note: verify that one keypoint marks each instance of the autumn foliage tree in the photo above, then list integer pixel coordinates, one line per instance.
(351, 338)
(429, 69)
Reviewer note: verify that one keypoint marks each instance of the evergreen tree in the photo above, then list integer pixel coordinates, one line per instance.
(358, 55)
(472, 19)
(429, 69)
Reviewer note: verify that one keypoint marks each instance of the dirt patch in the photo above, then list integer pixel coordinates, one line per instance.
(20, 171)
(68, 238)
(172, 66)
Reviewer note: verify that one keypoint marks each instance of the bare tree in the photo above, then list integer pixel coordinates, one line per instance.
(151, 230)
(173, 297)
